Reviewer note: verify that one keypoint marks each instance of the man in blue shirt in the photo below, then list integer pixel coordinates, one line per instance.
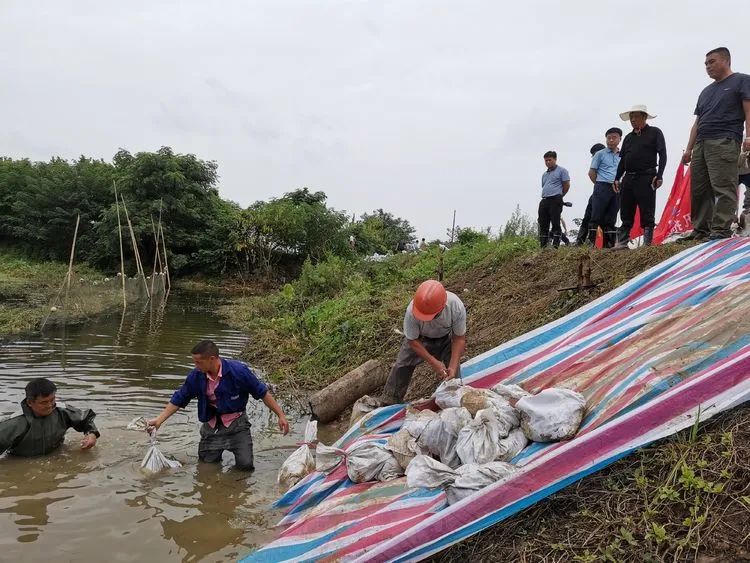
(722, 110)
(222, 388)
(583, 231)
(605, 202)
(555, 184)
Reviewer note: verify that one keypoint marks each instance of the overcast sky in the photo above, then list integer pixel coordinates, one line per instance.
(416, 107)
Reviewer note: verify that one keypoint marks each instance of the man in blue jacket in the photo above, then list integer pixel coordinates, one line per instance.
(222, 388)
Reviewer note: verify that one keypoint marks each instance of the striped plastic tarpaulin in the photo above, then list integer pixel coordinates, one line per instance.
(650, 356)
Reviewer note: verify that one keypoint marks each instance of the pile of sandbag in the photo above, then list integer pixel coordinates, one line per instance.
(467, 444)
(464, 447)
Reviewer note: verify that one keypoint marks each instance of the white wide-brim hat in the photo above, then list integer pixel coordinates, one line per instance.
(626, 114)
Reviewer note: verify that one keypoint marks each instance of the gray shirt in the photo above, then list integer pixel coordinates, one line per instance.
(719, 109)
(552, 181)
(452, 319)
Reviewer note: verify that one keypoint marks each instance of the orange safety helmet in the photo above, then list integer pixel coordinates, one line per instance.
(429, 300)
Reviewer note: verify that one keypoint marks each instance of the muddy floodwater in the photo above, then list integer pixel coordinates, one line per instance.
(97, 505)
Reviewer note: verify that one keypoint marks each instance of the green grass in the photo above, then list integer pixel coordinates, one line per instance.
(28, 288)
(338, 314)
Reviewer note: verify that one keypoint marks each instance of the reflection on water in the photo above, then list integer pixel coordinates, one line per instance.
(97, 504)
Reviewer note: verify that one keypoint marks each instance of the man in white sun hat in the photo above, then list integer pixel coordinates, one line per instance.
(638, 174)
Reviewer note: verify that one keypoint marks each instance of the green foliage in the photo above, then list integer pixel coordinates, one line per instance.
(468, 236)
(340, 312)
(519, 225)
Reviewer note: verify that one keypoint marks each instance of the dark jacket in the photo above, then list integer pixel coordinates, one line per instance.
(639, 151)
(29, 435)
(237, 383)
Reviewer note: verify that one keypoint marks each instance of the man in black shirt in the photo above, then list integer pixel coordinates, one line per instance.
(714, 147)
(638, 176)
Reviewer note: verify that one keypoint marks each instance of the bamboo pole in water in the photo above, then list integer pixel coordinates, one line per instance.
(157, 256)
(166, 264)
(135, 248)
(70, 264)
(122, 255)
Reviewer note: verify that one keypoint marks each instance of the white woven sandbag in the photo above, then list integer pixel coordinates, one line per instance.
(403, 446)
(429, 473)
(511, 393)
(510, 447)
(448, 394)
(416, 421)
(551, 415)
(364, 405)
(440, 435)
(473, 477)
(328, 458)
(302, 461)
(154, 461)
(367, 461)
(478, 441)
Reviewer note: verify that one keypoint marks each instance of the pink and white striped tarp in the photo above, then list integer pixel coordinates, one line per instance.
(650, 356)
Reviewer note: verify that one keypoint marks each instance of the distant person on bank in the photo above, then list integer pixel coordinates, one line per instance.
(721, 114)
(605, 202)
(223, 388)
(639, 174)
(41, 427)
(583, 229)
(555, 184)
(434, 332)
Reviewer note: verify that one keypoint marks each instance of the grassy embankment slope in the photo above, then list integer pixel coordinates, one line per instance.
(686, 496)
(27, 288)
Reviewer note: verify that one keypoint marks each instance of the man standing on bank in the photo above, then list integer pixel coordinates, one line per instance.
(555, 184)
(435, 332)
(714, 147)
(605, 202)
(223, 388)
(637, 176)
(583, 229)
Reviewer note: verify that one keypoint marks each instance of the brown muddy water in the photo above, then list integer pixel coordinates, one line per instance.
(97, 505)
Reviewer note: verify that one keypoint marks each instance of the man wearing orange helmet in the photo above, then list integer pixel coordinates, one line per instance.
(435, 332)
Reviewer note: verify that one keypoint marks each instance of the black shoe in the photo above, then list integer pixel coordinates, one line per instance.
(718, 236)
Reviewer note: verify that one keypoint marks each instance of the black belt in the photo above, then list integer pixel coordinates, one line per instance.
(551, 196)
(651, 172)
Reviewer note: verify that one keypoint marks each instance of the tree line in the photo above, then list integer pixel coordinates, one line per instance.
(205, 234)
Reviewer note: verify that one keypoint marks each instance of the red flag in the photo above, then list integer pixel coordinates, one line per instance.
(599, 242)
(676, 215)
(636, 230)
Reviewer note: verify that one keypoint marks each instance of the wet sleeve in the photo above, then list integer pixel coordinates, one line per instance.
(661, 149)
(81, 420)
(255, 386)
(11, 432)
(184, 394)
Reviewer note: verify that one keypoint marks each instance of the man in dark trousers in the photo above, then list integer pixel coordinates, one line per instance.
(41, 427)
(714, 146)
(555, 184)
(583, 229)
(638, 175)
(434, 332)
(222, 388)
(605, 202)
